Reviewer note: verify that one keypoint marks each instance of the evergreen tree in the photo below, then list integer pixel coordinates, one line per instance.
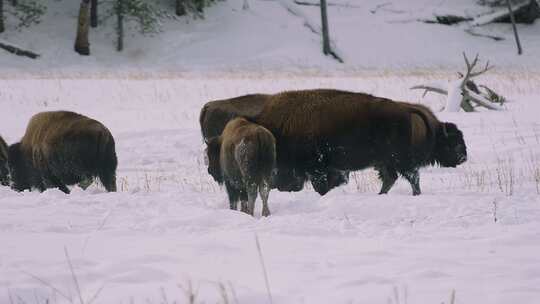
(25, 12)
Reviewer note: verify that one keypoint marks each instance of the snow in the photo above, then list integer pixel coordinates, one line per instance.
(168, 234)
(268, 37)
(453, 101)
(475, 229)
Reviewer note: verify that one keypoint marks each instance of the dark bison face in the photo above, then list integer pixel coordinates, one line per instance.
(212, 151)
(450, 150)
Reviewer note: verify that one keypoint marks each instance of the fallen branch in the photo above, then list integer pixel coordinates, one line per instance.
(470, 31)
(313, 3)
(430, 89)
(18, 51)
(480, 100)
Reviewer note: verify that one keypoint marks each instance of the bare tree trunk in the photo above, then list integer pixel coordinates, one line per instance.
(513, 19)
(2, 27)
(82, 46)
(93, 13)
(324, 22)
(120, 25)
(14, 2)
(180, 8)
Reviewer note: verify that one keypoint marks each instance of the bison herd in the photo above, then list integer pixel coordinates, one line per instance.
(254, 143)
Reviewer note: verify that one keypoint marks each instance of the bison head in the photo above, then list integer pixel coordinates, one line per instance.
(450, 149)
(212, 152)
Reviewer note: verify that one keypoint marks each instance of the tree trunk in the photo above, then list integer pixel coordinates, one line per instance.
(513, 19)
(82, 46)
(93, 13)
(324, 22)
(120, 25)
(14, 2)
(180, 8)
(2, 28)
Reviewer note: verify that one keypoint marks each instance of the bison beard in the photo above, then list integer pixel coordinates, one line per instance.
(216, 114)
(321, 131)
(60, 149)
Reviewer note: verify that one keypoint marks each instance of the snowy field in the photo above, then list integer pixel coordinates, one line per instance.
(474, 231)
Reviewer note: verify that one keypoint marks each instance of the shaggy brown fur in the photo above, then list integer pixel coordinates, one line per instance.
(63, 148)
(216, 114)
(4, 172)
(243, 157)
(320, 129)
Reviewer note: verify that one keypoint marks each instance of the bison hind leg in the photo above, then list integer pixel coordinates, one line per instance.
(108, 179)
(264, 191)
(388, 177)
(413, 177)
(252, 196)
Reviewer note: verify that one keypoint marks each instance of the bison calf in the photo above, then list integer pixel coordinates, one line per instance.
(243, 158)
(60, 149)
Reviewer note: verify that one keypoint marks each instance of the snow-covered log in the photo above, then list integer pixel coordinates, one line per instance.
(463, 93)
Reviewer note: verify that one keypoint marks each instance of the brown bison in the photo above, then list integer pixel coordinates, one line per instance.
(4, 172)
(216, 114)
(322, 130)
(243, 158)
(60, 149)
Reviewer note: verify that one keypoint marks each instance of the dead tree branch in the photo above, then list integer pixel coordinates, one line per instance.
(18, 51)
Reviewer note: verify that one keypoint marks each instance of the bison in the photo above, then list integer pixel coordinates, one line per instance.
(319, 131)
(4, 172)
(243, 157)
(216, 114)
(63, 148)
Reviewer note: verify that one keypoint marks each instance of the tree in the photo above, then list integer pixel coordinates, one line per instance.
(2, 27)
(120, 25)
(324, 22)
(180, 8)
(82, 46)
(93, 13)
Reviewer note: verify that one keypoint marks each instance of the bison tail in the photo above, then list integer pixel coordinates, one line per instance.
(108, 161)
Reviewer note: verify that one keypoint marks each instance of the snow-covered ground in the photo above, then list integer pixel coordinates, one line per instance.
(369, 34)
(475, 230)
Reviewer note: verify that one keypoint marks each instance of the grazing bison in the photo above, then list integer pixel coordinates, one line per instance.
(322, 130)
(243, 158)
(4, 172)
(216, 114)
(60, 149)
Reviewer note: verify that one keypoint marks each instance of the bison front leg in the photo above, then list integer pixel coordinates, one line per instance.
(388, 177)
(414, 179)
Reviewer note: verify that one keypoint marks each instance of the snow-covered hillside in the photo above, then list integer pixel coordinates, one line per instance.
(475, 230)
(371, 34)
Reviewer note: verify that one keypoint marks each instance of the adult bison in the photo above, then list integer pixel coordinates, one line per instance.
(318, 131)
(243, 157)
(216, 114)
(4, 172)
(63, 148)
